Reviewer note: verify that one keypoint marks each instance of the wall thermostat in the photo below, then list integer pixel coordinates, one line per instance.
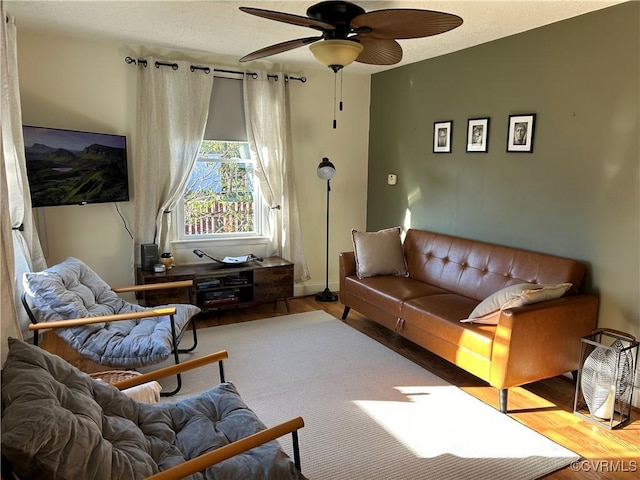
(392, 179)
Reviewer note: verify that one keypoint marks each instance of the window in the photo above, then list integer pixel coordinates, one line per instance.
(221, 196)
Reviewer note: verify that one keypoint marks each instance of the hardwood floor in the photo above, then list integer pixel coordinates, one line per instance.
(545, 406)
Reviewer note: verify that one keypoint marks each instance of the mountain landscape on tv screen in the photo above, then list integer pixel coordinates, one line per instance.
(59, 176)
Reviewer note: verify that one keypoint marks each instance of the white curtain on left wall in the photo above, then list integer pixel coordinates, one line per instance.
(9, 325)
(21, 250)
(172, 111)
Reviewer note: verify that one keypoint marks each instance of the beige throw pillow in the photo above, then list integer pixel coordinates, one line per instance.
(379, 253)
(488, 311)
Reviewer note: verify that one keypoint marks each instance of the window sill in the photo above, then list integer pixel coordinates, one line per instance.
(220, 242)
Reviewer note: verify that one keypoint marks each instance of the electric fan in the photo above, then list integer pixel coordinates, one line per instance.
(600, 386)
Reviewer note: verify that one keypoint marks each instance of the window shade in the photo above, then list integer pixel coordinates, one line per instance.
(226, 112)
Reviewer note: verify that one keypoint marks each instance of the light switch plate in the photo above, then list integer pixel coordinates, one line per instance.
(392, 179)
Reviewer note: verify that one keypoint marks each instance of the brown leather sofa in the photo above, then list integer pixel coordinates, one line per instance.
(448, 277)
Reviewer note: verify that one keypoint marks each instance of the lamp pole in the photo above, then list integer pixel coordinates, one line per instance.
(326, 171)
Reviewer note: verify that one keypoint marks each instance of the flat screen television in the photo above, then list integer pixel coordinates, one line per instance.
(69, 167)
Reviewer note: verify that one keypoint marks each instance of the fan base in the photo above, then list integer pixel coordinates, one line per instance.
(335, 12)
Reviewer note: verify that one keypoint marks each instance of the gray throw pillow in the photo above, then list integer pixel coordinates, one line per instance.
(488, 311)
(379, 253)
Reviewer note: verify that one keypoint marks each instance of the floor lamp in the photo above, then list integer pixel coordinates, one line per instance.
(326, 171)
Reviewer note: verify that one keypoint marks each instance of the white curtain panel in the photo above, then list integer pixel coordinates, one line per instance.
(266, 104)
(9, 326)
(172, 111)
(21, 250)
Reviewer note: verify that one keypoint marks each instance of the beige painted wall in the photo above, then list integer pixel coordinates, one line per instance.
(576, 195)
(84, 85)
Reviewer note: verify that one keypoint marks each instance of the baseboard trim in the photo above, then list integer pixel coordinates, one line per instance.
(313, 288)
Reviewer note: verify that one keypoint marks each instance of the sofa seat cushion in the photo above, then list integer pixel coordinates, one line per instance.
(59, 423)
(388, 292)
(440, 316)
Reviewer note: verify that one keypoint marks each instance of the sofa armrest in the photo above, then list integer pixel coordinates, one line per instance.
(541, 340)
(347, 263)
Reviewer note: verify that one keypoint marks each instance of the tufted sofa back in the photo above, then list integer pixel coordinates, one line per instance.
(478, 269)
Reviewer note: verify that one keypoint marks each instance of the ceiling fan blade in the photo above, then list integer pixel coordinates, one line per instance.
(379, 51)
(402, 23)
(279, 48)
(289, 18)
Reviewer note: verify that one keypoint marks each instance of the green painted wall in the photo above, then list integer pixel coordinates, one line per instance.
(576, 195)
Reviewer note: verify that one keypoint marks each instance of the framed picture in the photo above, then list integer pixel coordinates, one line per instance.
(520, 135)
(442, 136)
(478, 135)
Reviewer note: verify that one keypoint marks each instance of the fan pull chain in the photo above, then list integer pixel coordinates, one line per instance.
(341, 90)
(335, 80)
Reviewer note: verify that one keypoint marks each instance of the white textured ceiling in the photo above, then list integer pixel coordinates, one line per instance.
(218, 27)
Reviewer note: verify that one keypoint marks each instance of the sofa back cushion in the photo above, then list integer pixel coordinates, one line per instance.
(478, 269)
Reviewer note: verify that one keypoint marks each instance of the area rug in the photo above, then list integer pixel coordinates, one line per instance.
(369, 412)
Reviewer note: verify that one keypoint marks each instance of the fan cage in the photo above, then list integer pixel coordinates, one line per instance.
(607, 362)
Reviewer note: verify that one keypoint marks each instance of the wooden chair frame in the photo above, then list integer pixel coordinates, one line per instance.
(36, 326)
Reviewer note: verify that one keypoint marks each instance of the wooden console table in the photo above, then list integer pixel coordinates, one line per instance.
(217, 286)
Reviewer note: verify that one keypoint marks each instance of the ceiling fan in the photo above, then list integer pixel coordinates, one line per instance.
(349, 33)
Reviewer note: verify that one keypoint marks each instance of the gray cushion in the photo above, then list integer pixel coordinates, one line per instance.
(72, 290)
(59, 423)
(379, 253)
(488, 311)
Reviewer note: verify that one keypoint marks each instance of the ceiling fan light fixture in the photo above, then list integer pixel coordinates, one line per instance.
(336, 54)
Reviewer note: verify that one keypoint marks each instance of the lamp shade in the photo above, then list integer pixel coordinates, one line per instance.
(336, 54)
(326, 170)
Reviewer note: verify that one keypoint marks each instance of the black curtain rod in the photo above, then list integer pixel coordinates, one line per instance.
(207, 70)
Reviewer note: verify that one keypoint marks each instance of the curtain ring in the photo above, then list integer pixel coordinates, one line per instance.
(130, 60)
(206, 70)
(174, 66)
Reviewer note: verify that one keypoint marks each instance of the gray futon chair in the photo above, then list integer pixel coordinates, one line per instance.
(100, 325)
(60, 424)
